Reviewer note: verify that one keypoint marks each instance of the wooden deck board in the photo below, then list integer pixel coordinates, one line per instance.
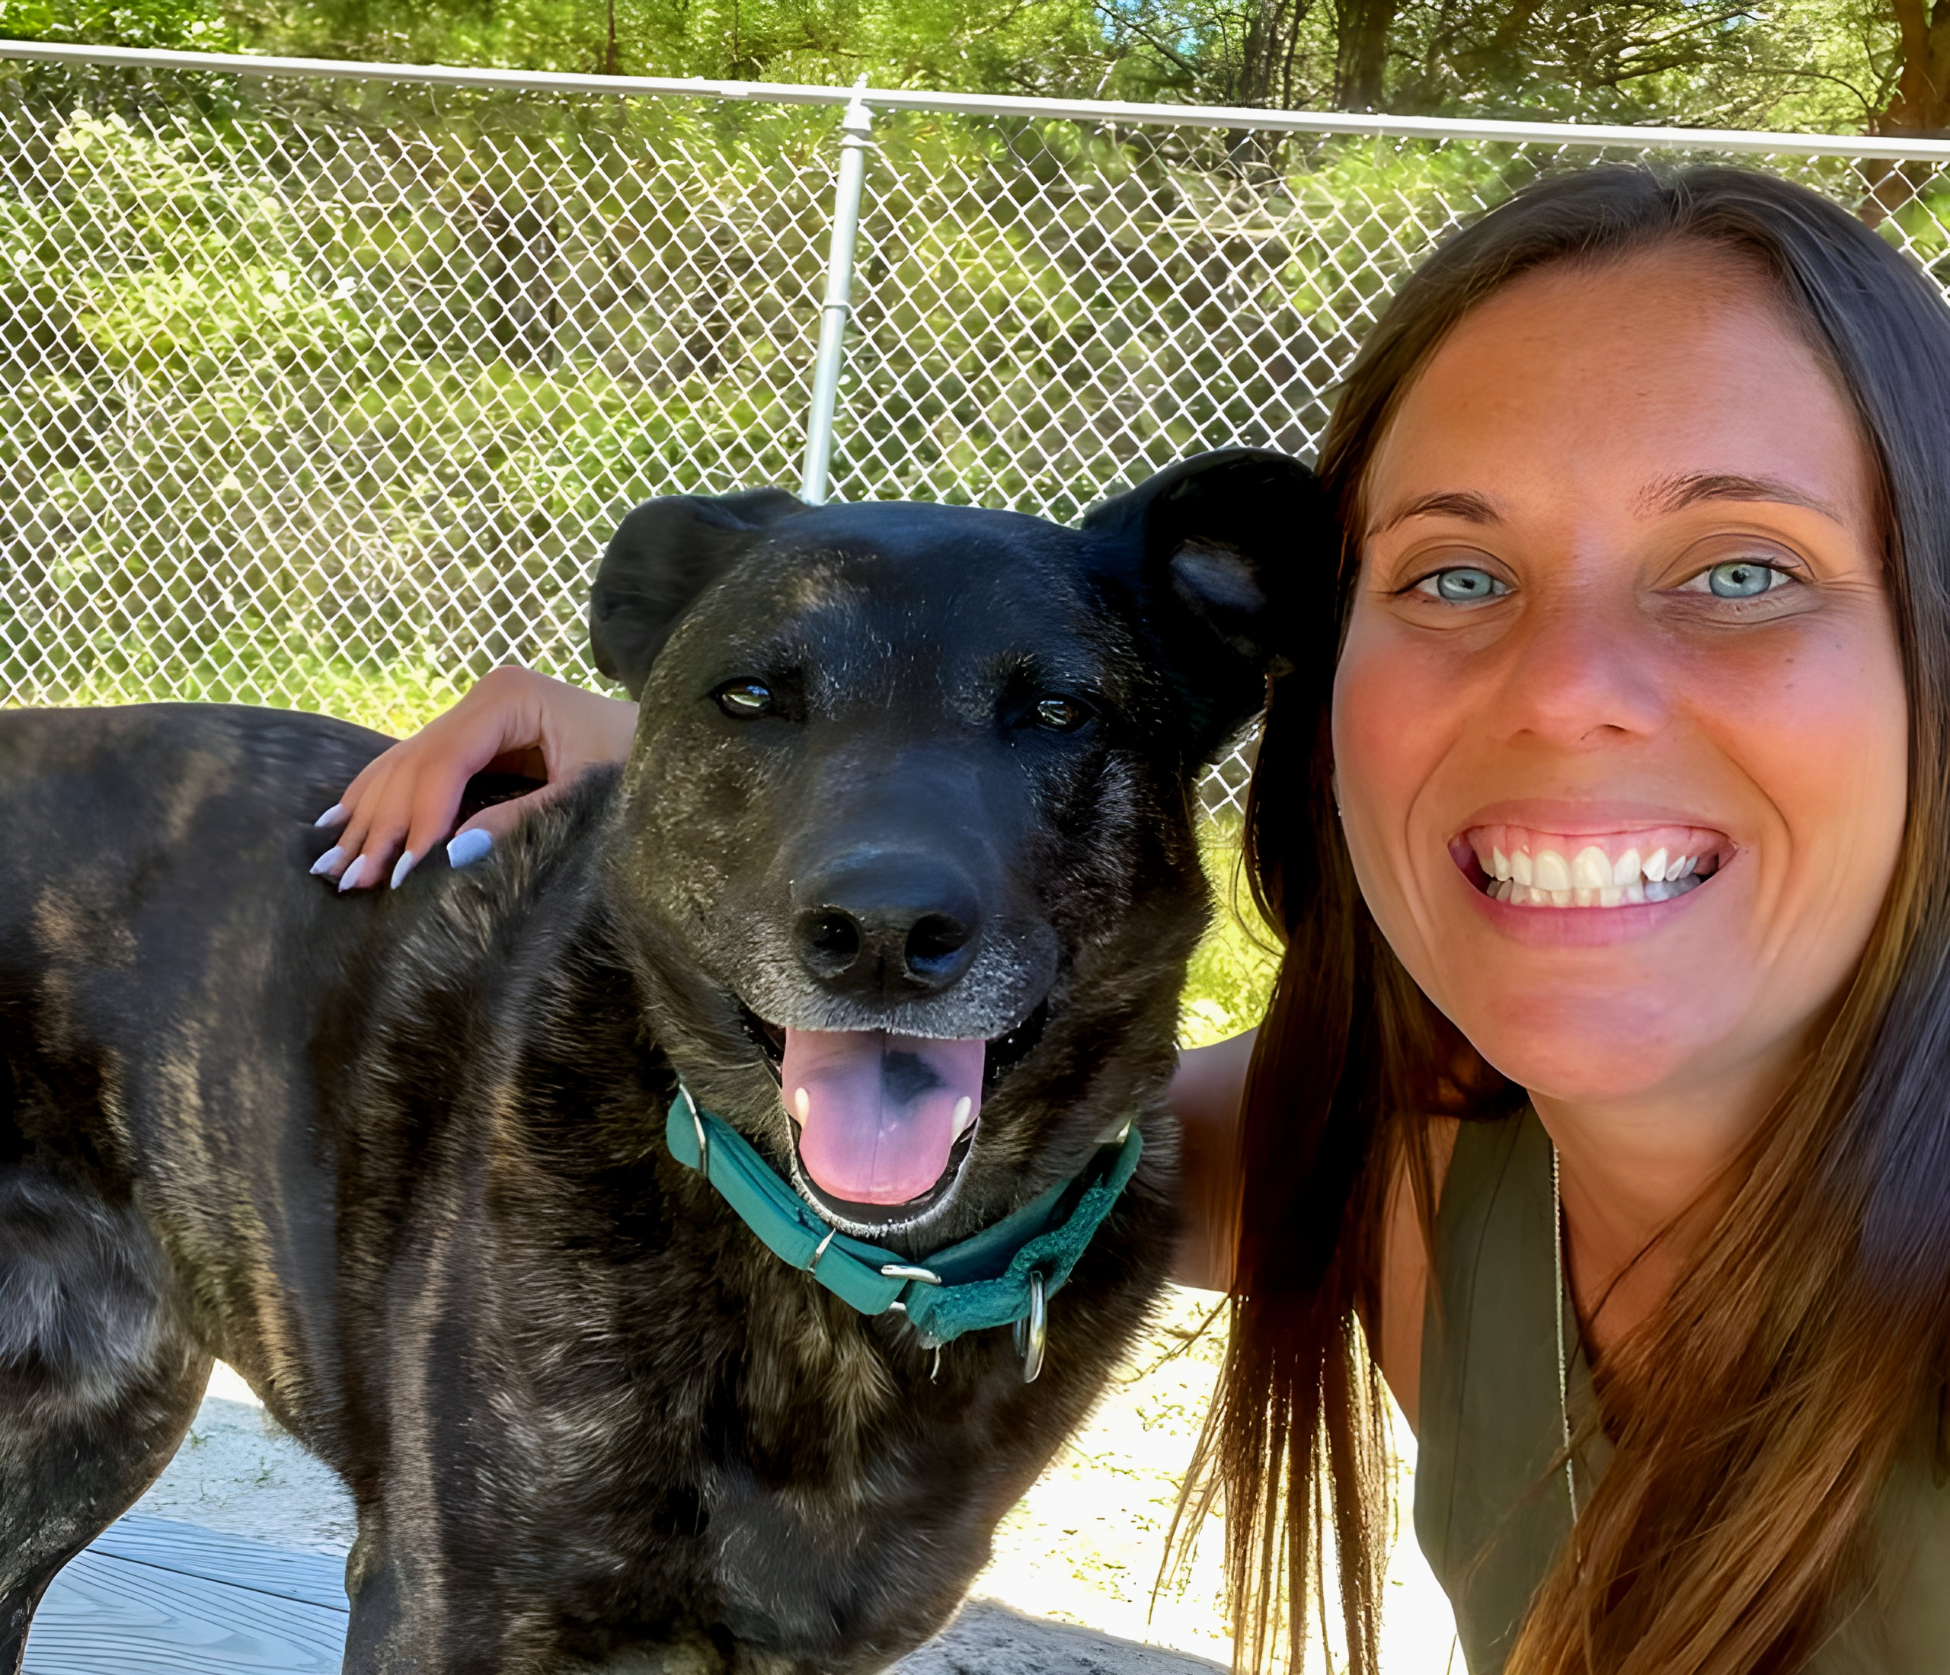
(314, 1578)
(158, 1597)
(154, 1597)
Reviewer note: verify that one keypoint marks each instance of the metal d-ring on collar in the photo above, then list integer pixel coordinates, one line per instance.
(704, 1148)
(1002, 1276)
(1032, 1331)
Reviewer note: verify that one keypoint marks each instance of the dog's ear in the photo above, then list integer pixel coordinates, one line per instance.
(1233, 557)
(662, 556)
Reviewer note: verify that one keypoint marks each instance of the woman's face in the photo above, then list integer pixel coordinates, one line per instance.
(1619, 729)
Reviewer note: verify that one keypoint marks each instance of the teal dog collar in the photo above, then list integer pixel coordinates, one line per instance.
(1002, 1276)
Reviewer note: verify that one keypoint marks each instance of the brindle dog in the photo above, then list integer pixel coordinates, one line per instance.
(902, 771)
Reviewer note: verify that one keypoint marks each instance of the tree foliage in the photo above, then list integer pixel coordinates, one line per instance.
(1840, 64)
(187, 25)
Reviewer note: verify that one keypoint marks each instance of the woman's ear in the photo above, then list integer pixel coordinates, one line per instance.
(1232, 556)
(662, 556)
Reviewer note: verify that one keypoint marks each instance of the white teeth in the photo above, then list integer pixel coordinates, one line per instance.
(1671, 887)
(1590, 880)
(964, 1115)
(1590, 870)
(802, 1103)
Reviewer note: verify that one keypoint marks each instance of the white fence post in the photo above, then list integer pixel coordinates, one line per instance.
(856, 136)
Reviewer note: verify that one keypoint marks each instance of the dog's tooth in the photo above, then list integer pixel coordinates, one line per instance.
(802, 1105)
(964, 1115)
(327, 861)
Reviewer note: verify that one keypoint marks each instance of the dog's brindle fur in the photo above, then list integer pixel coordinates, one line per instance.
(399, 1157)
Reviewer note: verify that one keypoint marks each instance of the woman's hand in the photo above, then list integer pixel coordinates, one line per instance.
(513, 721)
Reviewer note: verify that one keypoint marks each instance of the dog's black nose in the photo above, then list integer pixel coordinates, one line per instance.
(888, 927)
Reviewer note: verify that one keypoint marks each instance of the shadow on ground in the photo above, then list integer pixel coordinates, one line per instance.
(240, 1473)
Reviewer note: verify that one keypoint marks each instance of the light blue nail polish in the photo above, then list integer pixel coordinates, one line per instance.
(469, 847)
(349, 879)
(333, 816)
(327, 861)
(402, 867)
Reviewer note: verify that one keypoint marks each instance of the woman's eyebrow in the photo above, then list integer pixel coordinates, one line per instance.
(1674, 494)
(1453, 503)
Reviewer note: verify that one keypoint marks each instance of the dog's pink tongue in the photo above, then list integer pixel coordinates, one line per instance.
(878, 1114)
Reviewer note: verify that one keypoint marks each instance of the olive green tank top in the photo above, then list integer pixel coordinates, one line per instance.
(1492, 1507)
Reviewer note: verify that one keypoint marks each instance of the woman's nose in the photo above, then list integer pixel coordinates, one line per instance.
(1585, 668)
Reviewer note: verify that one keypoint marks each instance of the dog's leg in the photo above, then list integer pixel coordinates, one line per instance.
(97, 1380)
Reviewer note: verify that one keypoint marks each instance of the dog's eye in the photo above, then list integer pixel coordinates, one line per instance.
(1060, 714)
(743, 699)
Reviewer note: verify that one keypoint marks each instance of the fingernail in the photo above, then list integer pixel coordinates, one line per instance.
(402, 868)
(327, 861)
(469, 847)
(333, 816)
(349, 879)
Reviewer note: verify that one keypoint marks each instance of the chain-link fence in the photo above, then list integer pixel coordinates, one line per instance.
(323, 385)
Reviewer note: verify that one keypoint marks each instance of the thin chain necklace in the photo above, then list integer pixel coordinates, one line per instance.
(1563, 1370)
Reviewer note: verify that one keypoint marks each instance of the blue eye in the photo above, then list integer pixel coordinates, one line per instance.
(1462, 585)
(1743, 578)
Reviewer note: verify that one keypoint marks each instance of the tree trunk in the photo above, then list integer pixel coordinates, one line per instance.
(1922, 102)
(1361, 51)
(1267, 53)
(612, 58)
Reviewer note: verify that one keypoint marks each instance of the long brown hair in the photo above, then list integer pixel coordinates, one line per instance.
(1757, 1414)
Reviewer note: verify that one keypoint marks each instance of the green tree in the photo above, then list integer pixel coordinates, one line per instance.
(188, 25)
(1015, 45)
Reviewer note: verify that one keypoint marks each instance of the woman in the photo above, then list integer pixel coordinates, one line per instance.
(1604, 1079)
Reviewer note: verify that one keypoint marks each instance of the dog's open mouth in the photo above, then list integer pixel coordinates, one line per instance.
(883, 1124)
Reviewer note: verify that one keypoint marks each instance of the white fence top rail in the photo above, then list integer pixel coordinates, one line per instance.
(988, 104)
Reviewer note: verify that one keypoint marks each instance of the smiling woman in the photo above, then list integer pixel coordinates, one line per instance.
(1603, 1082)
(1602, 813)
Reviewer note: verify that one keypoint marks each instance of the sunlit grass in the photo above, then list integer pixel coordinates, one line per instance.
(394, 698)
(1231, 975)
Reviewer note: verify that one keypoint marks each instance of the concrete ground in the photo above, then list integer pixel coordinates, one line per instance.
(1070, 1588)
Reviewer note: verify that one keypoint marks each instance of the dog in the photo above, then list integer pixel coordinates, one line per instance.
(882, 924)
